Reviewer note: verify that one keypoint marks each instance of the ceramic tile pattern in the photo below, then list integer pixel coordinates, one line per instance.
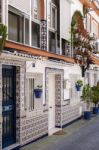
(43, 35)
(31, 127)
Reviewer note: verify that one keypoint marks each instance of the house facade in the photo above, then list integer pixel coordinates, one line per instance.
(37, 52)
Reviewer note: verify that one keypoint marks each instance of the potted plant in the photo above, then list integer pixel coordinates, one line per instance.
(3, 35)
(95, 98)
(86, 97)
(78, 85)
(38, 91)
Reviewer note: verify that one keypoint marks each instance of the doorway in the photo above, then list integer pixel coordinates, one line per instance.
(8, 105)
(51, 83)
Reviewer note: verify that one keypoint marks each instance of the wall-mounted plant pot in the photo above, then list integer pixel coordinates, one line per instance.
(38, 93)
(78, 88)
(95, 110)
(87, 115)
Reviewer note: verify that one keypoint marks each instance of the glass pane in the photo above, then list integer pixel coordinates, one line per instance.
(35, 34)
(53, 17)
(35, 9)
(13, 27)
(52, 42)
(26, 31)
(31, 94)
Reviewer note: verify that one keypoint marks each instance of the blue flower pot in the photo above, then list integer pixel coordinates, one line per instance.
(95, 110)
(78, 88)
(38, 93)
(87, 115)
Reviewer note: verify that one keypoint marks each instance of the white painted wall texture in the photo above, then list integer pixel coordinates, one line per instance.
(22, 5)
(65, 19)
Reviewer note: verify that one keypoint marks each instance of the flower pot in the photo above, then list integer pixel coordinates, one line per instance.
(78, 88)
(95, 110)
(87, 115)
(38, 93)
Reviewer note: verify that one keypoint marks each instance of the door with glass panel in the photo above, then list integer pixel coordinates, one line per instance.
(8, 106)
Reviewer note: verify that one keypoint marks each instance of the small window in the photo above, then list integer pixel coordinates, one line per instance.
(53, 17)
(35, 9)
(65, 48)
(88, 23)
(15, 27)
(26, 31)
(31, 93)
(52, 42)
(35, 34)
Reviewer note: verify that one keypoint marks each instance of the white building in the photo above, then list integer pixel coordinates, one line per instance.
(37, 53)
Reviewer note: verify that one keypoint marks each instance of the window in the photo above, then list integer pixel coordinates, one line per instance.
(35, 9)
(88, 23)
(87, 78)
(15, 30)
(18, 26)
(53, 16)
(95, 28)
(31, 93)
(26, 31)
(65, 48)
(52, 42)
(35, 34)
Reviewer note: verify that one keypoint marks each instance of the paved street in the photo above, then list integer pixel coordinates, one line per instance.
(81, 135)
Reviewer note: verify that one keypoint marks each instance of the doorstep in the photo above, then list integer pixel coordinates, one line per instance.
(11, 147)
(54, 130)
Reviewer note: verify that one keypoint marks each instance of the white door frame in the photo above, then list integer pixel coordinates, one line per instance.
(51, 101)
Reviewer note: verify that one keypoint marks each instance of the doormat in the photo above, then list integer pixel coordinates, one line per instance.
(61, 132)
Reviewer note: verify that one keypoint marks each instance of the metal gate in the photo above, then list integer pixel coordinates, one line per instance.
(8, 105)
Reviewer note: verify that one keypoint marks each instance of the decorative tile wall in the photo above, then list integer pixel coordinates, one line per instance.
(33, 128)
(20, 72)
(43, 36)
(59, 76)
(69, 113)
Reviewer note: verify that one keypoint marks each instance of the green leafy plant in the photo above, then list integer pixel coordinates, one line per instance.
(95, 95)
(86, 95)
(3, 35)
(39, 86)
(79, 83)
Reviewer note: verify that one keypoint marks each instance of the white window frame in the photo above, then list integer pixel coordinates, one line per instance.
(37, 20)
(95, 28)
(88, 23)
(53, 6)
(30, 108)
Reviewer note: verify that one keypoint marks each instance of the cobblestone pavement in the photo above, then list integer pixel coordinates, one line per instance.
(81, 135)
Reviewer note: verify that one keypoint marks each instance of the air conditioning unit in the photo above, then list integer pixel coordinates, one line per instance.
(97, 46)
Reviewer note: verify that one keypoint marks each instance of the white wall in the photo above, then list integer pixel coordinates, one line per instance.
(65, 13)
(76, 5)
(71, 73)
(22, 5)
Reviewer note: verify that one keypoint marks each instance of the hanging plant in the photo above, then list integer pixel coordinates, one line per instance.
(3, 35)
